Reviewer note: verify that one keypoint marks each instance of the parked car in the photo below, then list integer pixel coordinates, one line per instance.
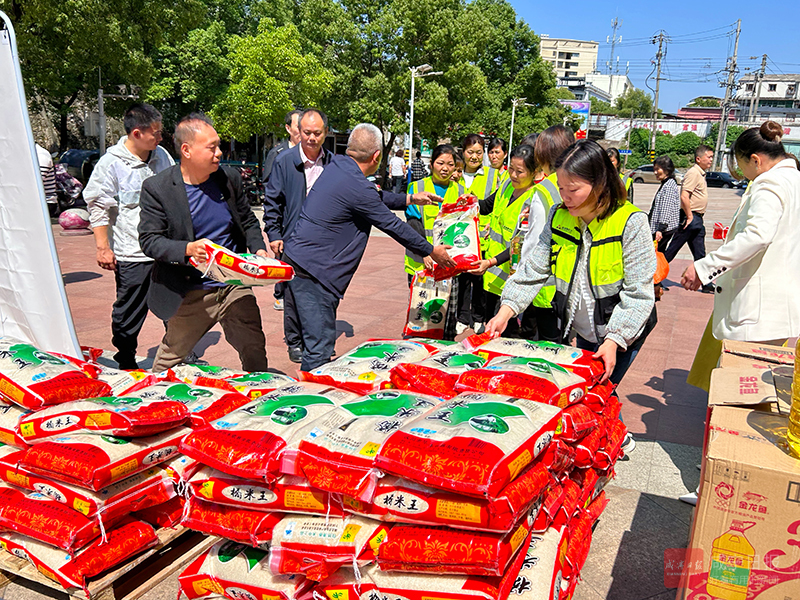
(645, 174)
(80, 163)
(720, 179)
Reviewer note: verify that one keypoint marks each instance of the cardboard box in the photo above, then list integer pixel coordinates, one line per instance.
(745, 542)
(746, 386)
(734, 361)
(781, 355)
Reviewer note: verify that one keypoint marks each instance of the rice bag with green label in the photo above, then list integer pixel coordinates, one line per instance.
(260, 439)
(365, 368)
(474, 444)
(427, 306)
(338, 453)
(457, 226)
(230, 268)
(436, 375)
(531, 378)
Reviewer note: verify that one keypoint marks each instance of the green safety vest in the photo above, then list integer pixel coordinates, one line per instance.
(482, 187)
(547, 189)
(605, 260)
(413, 262)
(626, 181)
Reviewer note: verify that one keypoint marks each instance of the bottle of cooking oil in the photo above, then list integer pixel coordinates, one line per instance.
(731, 562)
(516, 243)
(793, 436)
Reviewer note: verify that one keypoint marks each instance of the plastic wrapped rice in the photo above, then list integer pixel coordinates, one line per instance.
(253, 527)
(542, 574)
(474, 444)
(436, 375)
(457, 226)
(230, 268)
(427, 306)
(10, 414)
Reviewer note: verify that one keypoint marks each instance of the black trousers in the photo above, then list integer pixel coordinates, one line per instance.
(536, 323)
(471, 299)
(694, 235)
(130, 308)
(292, 327)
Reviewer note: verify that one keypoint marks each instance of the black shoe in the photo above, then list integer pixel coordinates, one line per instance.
(296, 355)
(708, 289)
(126, 362)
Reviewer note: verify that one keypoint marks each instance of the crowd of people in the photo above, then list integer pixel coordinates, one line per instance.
(565, 255)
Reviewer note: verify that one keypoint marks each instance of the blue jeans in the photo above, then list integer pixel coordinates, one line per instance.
(316, 308)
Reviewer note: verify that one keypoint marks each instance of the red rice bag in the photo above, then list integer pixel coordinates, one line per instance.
(565, 512)
(124, 541)
(254, 440)
(125, 382)
(400, 501)
(165, 514)
(316, 546)
(559, 456)
(49, 521)
(338, 453)
(580, 541)
(457, 226)
(288, 494)
(180, 469)
(33, 378)
(576, 360)
(121, 416)
(230, 268)
(97, 461)
(598, 395)
(531, 378)
(237, 572)
(423, 549)
(611, 411)
(588, 480)
(542, 574)
(10, 414)
(427, 306)
(436, 375)
(365, 368)
(611, 451)
(547, 507)
(474, 444)
(586, 449)
(132, 493)
(205, 404)
(253, 527)
(576, 422)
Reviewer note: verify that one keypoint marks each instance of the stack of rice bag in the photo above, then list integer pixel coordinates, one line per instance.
(84, 454)
(407, 469)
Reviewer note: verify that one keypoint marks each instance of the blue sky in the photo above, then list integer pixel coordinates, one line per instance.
(690, 65)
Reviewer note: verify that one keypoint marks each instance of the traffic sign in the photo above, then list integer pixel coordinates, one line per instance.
(624, 152)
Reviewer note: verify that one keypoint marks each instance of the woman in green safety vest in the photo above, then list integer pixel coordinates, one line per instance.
(613, 154)
(497, 151)
(516, 212)
(599, 248)
(480, 181)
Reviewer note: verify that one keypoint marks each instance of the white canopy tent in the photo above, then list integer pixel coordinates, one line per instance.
(33, 300)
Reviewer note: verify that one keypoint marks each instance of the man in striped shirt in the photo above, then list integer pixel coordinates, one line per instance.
(48, 172)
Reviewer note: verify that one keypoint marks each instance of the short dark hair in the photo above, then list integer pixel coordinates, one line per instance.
(760, 140)
(309, 111)
(614, 153)
(585, 159)
(287, 120)
(140, 116)
(702, 149)
(419, 154)
(526, 154)
(665, 164)
(399, 153)
(530, 140)
(444, 149)
(187, 127)
(471, 139)
(495, 142)
(458, 157)
(551, 143)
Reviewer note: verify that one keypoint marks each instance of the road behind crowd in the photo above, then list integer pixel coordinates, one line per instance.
(644, 517)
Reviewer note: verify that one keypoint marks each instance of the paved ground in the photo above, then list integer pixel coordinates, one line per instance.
(665, 414)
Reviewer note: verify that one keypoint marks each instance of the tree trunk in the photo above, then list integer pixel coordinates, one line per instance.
(385, 159)
(63, 132)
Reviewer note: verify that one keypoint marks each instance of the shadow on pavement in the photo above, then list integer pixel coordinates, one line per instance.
(79, 276)
(343, 327)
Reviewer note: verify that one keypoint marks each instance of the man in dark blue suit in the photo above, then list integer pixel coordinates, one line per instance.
(293, 174)
(329, 239)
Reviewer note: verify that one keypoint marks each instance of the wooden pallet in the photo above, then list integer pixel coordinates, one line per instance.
(130, 580)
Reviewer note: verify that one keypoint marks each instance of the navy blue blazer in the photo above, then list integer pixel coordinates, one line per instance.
(333, 229)
(285, 193)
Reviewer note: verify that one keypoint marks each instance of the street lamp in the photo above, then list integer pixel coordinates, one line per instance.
(515, 102)
(420, 71)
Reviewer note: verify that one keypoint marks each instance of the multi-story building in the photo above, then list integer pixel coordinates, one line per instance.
(570, 58)
(778, 97)
(615, 85)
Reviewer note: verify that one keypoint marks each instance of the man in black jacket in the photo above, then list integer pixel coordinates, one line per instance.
(329, 239)
(182, 208)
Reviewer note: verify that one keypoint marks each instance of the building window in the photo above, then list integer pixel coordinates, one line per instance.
(749, 87)
(772, 87)
(560, 64)
(571, 74)
(790, 90)
(554, 52)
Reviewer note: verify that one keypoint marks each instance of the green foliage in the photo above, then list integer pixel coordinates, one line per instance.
(564, 94)
(686, 142)
(704, 102)
(733, 132)
(634, 100)
(600, 107)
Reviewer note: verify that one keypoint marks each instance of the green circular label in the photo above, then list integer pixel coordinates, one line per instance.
(488, 424)
(461, 241)
(286, 415)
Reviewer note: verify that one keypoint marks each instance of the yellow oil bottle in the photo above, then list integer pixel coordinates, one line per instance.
(731, 562)
(793, 435)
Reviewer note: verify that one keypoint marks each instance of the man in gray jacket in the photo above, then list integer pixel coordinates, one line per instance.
(112, 197)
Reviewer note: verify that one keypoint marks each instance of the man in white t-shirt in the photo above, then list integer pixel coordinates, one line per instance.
(397, 171)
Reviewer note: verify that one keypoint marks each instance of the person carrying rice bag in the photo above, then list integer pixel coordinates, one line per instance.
(599, 248)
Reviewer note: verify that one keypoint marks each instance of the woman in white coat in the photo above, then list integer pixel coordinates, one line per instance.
(756, 272)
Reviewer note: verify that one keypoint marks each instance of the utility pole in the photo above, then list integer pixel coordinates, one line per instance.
(615, 24)
(758, 77)
(723, 124)
(662, 38)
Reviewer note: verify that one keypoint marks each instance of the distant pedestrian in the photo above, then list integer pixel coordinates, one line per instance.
(666, 208)
(397, 171)
(292, 126)
(613, 154)
(418, 169)
(48, 172)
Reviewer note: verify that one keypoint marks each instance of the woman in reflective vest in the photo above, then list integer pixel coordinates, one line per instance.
(613, 154)
(421, 218)
(497, 151)
(516, 212)
(480, 181)
(598, 247)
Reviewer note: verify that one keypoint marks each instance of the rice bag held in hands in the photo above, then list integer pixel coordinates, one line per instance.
(339, 451)
(427, 306)
(365, 368)
(474, 444)
(457, 226)
(260, 439)
(230, 268)
(33, 378)
(436, 375)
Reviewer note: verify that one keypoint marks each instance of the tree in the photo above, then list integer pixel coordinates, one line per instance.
(636, 101)
(66, 46)
(705, 101)
(686, 142)
(733, 132)
(600, 107)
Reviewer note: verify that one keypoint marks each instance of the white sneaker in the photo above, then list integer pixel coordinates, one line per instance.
(690, 498)
(278, 304)
(460, 328)
(478, 328)
(628, 444)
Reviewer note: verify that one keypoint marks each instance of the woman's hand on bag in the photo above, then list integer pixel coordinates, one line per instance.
(607, 352)
(429, 263)
(659, 236)
(498, 323)
(690, 279)
(479, 267)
